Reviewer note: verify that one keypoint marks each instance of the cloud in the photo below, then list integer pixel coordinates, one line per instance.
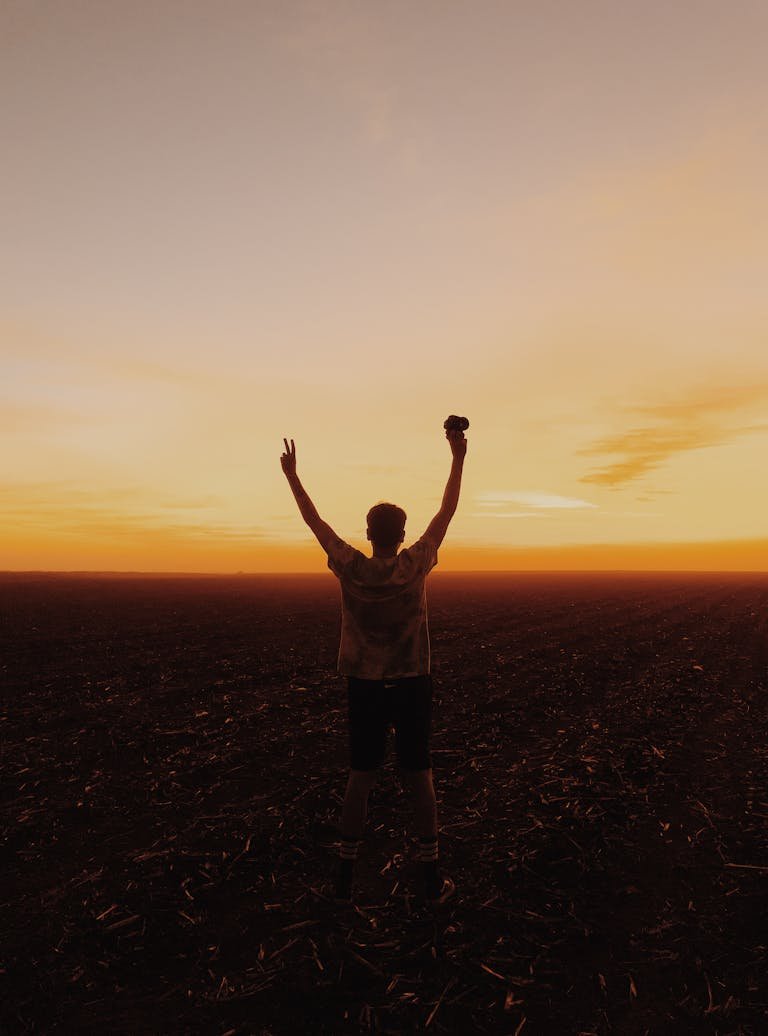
(510, 514)
(194, 504)
(632, 514)
(707, 419)
(117, 512)
(530, 498)
(718, 399)
(651, 494)
(32, 495)
(374, 469)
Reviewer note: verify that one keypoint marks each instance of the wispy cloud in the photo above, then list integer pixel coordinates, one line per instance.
(32, 495)
(652, 494)
(510, 514)
(718, 399)
(714, 417)
(530, 498)
(193, 504)
(374, 469)
(113, 512)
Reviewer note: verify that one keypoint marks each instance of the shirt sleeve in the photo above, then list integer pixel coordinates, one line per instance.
(424, 553)
(339, 555)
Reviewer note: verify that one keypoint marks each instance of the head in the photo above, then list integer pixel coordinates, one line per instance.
(386, 526)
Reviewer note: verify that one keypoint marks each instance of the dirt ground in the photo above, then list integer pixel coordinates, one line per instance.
(173, 761)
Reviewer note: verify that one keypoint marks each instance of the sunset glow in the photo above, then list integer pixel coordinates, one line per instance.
(226, 224)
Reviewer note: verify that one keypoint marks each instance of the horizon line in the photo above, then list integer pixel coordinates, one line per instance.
(443, 572)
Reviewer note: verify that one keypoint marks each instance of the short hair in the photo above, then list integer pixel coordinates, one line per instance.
(386, 524)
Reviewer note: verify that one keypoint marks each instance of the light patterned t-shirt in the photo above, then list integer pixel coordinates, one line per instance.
(384, 631)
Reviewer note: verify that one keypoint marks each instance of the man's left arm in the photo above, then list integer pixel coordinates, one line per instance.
(322, 530)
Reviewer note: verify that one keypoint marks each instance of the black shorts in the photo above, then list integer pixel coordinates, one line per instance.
(375, 706)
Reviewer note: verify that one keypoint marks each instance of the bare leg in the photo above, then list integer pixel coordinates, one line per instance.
(436, 888)
(425, 804)
(355, 811)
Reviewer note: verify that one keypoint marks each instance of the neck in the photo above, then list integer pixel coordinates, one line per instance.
(384, 552)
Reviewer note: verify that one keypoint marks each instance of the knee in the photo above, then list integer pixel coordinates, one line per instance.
(418, 781)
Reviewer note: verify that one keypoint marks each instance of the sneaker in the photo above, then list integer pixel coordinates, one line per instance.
(444, 889)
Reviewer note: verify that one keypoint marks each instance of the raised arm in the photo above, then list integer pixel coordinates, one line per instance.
(321, 529)
(438, 527)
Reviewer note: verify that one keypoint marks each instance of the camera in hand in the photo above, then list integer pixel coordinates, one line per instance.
(455, 424)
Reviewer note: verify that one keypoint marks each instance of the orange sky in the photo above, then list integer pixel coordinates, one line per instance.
(226, 224)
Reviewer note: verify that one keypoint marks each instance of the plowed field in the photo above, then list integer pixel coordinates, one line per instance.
(174, 756)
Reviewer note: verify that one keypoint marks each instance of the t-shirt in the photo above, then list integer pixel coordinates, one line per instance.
(384, 632)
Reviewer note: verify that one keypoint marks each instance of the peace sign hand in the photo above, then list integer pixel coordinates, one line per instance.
(288, 459)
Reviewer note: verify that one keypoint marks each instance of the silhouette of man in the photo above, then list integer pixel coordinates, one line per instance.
(384, 653)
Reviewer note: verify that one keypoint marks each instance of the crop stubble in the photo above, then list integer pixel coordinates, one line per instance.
(174, 754)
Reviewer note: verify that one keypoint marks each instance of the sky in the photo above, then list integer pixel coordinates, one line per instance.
(226, 223)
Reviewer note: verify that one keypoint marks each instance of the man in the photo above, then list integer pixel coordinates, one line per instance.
(384, 654)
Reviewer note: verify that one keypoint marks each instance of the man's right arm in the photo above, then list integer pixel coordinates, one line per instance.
(322, 530)
(438, 527)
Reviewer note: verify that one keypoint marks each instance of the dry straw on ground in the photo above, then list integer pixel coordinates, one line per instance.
(174, 756)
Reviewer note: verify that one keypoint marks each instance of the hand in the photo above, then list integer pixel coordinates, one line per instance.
(458, 443)
(288, 459)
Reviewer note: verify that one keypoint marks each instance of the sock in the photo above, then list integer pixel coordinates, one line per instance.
(428, 859)
(347, 857)
(348, 849)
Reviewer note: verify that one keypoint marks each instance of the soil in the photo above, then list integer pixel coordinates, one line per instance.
(174, 755)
